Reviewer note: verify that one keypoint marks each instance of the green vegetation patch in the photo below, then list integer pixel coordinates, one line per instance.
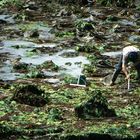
(97, 106)
(16, 3)
(30, 95)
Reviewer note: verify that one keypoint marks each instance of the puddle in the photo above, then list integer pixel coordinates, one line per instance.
(9, 76)
(50, 74)
(6, 72)
(134, 39)
(47, 45)
(36, 59)
(73, 69)
(7, 19)
(127, 22)
(112, 54)
(10, 43)
(58, 58)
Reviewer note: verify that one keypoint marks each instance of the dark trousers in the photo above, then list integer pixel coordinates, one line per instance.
(118, 69)
(137, 67)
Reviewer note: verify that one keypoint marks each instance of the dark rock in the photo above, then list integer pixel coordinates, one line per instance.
(31, 6)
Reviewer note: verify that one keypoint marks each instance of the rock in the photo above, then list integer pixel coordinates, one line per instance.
(31, 5)
(63, 12)
(134, 38)
(45, 36)
(52, 81)
(115, 54)
(32, 33)
(70, 53)
(50, 73)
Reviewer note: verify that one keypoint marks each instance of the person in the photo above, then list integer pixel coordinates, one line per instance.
(129, 54)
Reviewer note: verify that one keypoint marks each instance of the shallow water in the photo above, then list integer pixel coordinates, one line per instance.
(134, 39)
(127, 22)
(6, 72)
(60, 61)
(70, 65)
(7, 18)
(9, 46)
(112, 54)
(12, 43)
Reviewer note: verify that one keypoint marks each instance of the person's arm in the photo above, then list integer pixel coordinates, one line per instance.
(124, 68)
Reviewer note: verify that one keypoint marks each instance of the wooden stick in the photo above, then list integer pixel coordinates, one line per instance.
(128, 84)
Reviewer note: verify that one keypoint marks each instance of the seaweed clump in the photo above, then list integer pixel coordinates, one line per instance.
(97, 106)
(30, 95)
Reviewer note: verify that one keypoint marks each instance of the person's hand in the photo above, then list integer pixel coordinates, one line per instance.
(127, 77)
